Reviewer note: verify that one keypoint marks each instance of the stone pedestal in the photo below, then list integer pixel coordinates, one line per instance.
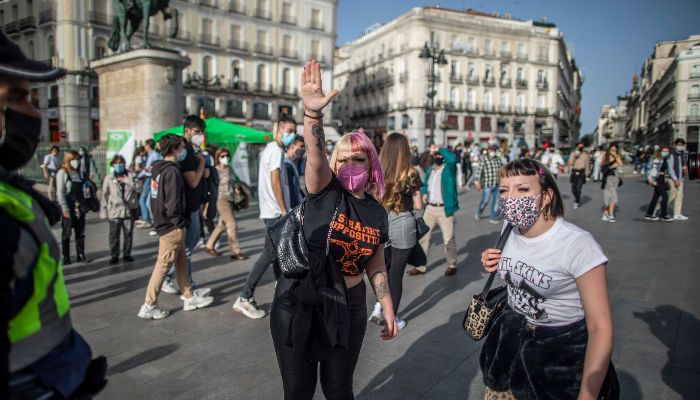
(141, 91)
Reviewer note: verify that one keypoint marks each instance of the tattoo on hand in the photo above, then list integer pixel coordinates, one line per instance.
(378, 281)
(317, 131)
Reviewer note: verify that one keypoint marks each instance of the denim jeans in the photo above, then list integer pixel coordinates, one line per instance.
(191, 239)
(485, 194)
(145, 201)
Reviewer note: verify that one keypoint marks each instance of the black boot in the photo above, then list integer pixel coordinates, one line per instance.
(66, 261)
(80, 250)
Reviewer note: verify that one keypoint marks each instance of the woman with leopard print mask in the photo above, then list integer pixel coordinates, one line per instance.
(554, 339)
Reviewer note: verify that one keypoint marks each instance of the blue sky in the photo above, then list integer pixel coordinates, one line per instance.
(610, 39)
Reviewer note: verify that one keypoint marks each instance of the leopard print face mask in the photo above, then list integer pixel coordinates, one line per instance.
(520, 211)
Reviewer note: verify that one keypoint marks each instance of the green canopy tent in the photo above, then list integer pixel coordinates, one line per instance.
(221, 132)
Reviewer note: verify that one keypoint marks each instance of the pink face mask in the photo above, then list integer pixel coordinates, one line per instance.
(353, 177)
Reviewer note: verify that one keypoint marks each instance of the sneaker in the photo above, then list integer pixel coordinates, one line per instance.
(576, 205)
(477, 216)
(494, 221)
(196, 302)
(612, 219)
(400, 323)
(605, 217)
(668, 219)
(169, 287)
(152, 233)
(152, 312)
(680, 217)
(128, 259)
(203, 292)
(248, 307)
(651, 218)
(145, 225)
(376, 316)
(450, 271)
(201, 244)
(113, 260)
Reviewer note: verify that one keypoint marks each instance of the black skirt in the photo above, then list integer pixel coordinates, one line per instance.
(539, 362)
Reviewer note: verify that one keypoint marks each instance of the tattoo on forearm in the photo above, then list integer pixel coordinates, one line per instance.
(378, 281)
(317, 131)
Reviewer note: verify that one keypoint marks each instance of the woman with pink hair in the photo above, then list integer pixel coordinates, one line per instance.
(322, 318)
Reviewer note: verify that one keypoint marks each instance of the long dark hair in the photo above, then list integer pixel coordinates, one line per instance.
(530, 167)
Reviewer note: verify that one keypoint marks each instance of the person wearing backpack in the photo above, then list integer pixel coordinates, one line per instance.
(119, 206)
(69, 193)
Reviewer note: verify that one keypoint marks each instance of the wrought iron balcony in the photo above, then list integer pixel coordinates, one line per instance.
(472, 80)
(542, 85)
(235, 7)
(208, 39)
(46, 16)
(521, 56)
(506, 55)
(521, 83)
(238, 85)
(12, 27)
(456, 78)
(542, 112)
(235, 44)
(263, 49)
(489, 81)
(288, 19)
(262, 14)
(317, 25)
(27, 23)
(505, 83)
(263, 87)
(291, 54)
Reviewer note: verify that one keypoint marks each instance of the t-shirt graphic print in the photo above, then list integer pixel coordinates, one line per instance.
(541, 272)
(354, 241)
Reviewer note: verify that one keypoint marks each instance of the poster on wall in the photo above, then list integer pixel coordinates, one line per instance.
(120, 142)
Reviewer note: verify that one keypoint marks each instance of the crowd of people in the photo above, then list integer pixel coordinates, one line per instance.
(365, 213)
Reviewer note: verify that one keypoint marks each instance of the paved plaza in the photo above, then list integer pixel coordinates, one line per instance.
(215, 353)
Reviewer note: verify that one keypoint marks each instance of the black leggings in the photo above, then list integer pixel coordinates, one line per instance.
(396, 260)
(299, 375)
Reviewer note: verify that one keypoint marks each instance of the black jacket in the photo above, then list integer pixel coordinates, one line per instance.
(168, 197)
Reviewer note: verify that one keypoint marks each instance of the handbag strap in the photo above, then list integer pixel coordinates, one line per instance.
(501, 243)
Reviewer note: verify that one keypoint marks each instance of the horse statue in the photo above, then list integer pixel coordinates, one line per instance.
(128, 15)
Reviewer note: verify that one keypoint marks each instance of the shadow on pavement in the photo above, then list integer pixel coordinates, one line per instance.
(661, 321)
(629, 387)
(440, 288)
(143, 358)
(418, 364)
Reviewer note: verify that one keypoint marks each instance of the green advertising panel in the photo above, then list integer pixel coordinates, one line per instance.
(120, 142)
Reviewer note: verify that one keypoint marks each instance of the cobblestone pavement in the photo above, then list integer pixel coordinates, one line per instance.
(216, 354)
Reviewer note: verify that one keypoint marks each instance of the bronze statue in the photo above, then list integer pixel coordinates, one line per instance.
(128, 15)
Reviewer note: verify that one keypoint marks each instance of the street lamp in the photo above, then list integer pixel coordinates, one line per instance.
(205, 82)
(435, 56)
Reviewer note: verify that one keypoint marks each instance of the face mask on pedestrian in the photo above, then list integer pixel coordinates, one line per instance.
(680, 149)
(18, 139)
(665, 154)
(329, 148)
(182, 155)
(119, 168)
(81, 153)
(299, 154)
(520, 211)
(223, 160)
(492, 154)
(353, 177)
(288, 139)
(438, 160)
(197, 140)
(74, 164)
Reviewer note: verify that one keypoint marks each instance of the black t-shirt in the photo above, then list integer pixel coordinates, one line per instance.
(194, 197)
(361, 226)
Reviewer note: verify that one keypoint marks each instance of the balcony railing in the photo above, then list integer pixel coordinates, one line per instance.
(236, 7)
(236, 44)
(319, 58)
(472, 80)
(435, 77)
(504, 108)
(472, 106)
(263, 49)
(542, 112)
(53, 103)
(693, 118)
(12, 27)
(182, 35)
(208, 39)
(506, 55)
(291, 54)
(695, 75)
(208, 3)
(520, 110)
(288, 19)
(262, 13)
(521, 83)
(542, 85)
(521, 57)
(489, 81)
(317, 25)
(542, 57)
(27, 23)
(99, 18)
(263, 88)
(456, 78)
(47, 15)
(238, 85)
(693, 96)
(289, 91)
(489, 54)
(401, 105)
(488, 107)
(505, 83)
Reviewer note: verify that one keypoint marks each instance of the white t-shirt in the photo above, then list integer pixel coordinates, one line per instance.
(540, 272)
(271, 159)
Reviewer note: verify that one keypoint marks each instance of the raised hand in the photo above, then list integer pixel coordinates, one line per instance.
(312, 89)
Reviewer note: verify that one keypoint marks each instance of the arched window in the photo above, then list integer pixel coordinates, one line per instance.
(404, 121)
(207, 67)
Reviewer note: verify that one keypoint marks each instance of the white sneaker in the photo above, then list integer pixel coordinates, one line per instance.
(575, 205)
(680, 217)
(152, 312)
(605, 217)
(201, 292)
(153, 233)
(196, 302)
(477, 216)
(201, 244)
(248, 307)
(400, 323)
(376, 316)
(169, 287)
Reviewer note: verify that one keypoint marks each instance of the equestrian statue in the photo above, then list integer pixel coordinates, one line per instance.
(128, 15)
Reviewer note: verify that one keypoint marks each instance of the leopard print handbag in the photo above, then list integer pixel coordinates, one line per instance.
(487, 304)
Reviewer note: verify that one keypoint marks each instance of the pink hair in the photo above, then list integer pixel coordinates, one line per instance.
(358, 141)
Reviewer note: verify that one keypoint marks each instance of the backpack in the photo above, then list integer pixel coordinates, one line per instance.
(90, 201)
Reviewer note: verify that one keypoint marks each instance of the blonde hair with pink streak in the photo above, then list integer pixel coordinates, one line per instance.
(358, 141)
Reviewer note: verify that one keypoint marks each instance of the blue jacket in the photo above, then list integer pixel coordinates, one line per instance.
(449, 182)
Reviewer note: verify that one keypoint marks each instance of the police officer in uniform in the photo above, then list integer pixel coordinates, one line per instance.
(42, 356)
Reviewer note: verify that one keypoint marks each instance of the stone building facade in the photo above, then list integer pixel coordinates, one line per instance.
(504, 78)
(246, 56)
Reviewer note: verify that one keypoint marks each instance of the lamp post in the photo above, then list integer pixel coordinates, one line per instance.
(435, 56)
(205, 82)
